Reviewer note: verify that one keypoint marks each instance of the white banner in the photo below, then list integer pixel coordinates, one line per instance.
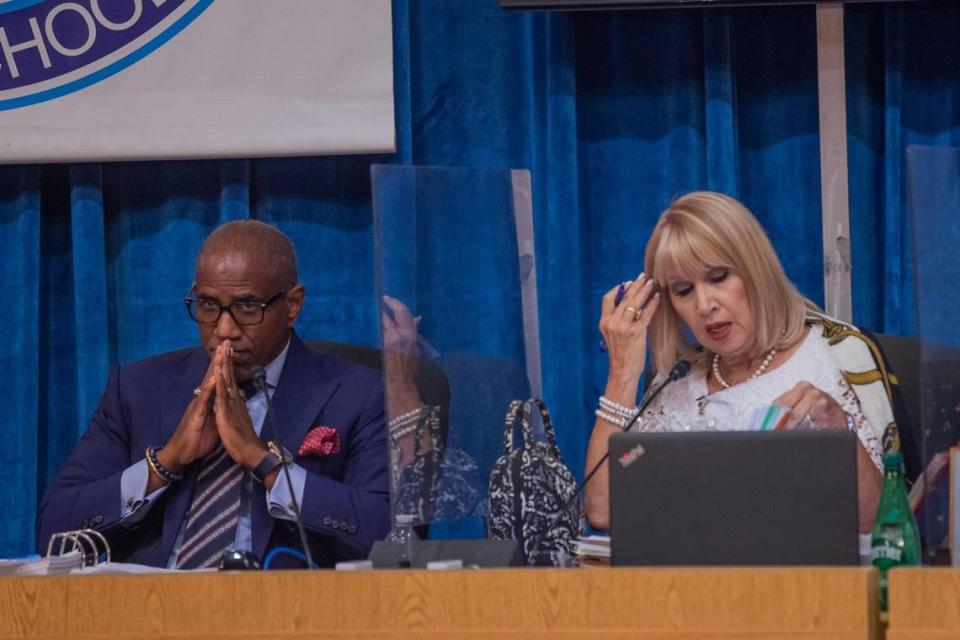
(92, 80)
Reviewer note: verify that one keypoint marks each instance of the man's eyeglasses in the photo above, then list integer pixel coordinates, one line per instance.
(243, 312)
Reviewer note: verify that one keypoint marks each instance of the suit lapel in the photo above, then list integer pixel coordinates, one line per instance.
(177, 394)
(303, 390)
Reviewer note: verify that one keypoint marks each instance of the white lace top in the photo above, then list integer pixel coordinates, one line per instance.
(686, 405)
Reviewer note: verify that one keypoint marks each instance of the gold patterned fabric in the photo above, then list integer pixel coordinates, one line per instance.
(863, 366)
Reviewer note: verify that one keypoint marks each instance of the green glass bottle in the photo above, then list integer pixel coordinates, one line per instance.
(896, 540)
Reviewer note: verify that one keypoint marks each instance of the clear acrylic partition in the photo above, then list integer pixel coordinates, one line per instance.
(459, 331)
(933, 194)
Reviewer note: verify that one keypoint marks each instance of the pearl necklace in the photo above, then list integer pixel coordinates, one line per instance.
(756, 374)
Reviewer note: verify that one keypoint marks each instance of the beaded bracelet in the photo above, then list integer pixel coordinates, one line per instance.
(618, 421)
(159, 469)
(618, 409)
(407, 419)
(402, 432)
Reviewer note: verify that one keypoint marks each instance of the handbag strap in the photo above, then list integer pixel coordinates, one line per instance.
(547, 424)
(513, 411)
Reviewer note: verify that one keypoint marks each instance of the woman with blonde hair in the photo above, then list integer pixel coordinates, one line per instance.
(710, 273)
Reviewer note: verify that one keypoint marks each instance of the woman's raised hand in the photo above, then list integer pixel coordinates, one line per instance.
(624, 329)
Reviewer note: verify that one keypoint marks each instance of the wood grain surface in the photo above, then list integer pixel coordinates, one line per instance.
(924, 604)
(648, 603)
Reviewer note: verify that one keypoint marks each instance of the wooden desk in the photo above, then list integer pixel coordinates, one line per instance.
(661, 604)
(924, 604)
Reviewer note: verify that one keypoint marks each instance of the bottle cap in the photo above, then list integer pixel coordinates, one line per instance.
(893, 461)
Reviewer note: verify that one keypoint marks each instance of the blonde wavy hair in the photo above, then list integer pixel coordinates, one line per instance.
(703, 230)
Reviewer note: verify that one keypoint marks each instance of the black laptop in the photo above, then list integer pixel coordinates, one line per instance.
(734, 498)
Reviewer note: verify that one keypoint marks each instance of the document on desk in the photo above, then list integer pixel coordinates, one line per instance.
(129, 568)
(37, 566)
(71, 563)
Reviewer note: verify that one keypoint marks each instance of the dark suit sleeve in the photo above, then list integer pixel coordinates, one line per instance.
(354, 511)
(86, 491)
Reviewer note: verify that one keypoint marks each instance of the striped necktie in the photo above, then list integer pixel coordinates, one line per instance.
(212, 519)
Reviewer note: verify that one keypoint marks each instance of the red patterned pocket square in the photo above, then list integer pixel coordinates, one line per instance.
(320, 441)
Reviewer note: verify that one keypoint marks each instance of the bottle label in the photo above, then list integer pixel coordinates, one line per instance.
(886, 550)
(888, 546)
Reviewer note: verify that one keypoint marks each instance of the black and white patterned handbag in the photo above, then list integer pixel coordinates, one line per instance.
(440, 484)
(529, 485)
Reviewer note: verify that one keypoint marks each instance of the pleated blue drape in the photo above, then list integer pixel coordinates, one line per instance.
(614, 114)
(903, 88)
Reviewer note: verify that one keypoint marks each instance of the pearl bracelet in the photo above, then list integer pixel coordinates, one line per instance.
(404, 422)
(617, 421)
(402, 432)
(618, 409)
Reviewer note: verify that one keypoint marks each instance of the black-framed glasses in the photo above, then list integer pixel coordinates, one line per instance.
(243, 312)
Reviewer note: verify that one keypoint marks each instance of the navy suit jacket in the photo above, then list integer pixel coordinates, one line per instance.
(346, 498)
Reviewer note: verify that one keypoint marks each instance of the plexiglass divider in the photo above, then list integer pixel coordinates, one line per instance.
(459, 332)
(933, 193)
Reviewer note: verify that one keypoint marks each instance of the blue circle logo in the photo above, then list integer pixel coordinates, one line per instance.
(49, 48)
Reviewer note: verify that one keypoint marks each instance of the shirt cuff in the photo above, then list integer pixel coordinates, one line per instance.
(279, 502)
(134, 504)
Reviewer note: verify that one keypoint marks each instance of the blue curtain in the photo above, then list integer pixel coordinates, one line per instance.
(615, 113)
(903, 88)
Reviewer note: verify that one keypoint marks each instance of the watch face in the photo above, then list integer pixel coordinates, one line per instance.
(282, 453)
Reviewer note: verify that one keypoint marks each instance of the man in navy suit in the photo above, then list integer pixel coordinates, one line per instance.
(179, 464)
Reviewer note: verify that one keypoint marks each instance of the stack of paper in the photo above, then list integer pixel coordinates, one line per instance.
(592, 550)
(125, 567)
(36, 566)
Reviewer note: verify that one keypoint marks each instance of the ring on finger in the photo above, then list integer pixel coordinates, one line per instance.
(635, 312)
(809, 422)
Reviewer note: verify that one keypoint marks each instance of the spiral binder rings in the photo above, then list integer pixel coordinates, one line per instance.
(88, 542)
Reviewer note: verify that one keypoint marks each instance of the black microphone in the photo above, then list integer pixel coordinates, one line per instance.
(679, 370)
(259, 377)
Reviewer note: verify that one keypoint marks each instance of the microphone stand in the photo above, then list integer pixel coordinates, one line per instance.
(259, 377)
(679, 370)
